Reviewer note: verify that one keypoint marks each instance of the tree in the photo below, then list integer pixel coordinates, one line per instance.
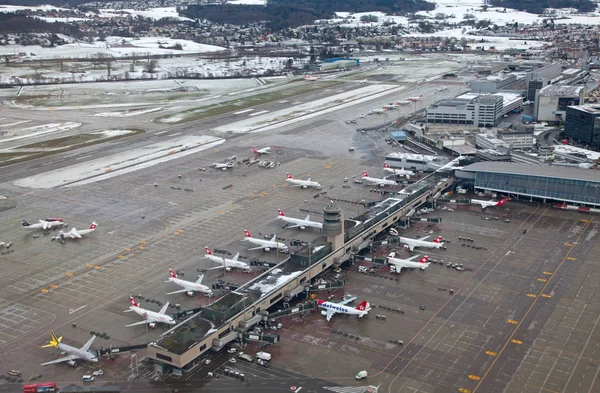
(151, 66)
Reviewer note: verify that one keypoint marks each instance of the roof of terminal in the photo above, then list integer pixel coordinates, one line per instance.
(560, 172)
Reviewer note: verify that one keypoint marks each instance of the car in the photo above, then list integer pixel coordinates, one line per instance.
(273, 327)
(232, 360)
(98, 373)
(279, 325)
(422, 307)
(207, 361)
(231, 350)
(14, 372)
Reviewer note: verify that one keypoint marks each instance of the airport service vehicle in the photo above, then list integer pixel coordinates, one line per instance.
(264, 150)
(361, 375)
(303, 183)
(265, 245)
(150, 317)
(331, 308)
(189, 287)
(266, 356)
(491, 203)
(72, 353)
(311, 78)
(87, 378)
(298, 222)
(227, 263)
(399, 172)
(417, 98)
(246, 357)
(44, 387)
(48, 223)
(379, 182)
(223, 166)
(98, 373)
(76, 234)
(397, 264)
(410, 244)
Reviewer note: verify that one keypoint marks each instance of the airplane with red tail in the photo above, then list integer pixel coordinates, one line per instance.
(331, 308)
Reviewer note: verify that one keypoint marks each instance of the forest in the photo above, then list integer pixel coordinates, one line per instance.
(281, 14)
(538, 6)
(16, 23)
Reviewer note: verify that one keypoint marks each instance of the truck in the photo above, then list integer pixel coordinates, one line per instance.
(361, 375)
(246, 357)
(264, 356)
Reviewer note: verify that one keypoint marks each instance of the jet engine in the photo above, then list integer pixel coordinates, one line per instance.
(190, 293)
(152, 325)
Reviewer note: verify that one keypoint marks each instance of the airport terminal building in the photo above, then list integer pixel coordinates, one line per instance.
(556, 183)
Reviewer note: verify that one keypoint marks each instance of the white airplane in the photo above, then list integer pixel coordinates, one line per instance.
(397, 264)
(390, 106)
(223, 166)
(150, 317)
(48, 223)
(72, 353)
(331, 308)
(311, 78)
(226, 262)
(379, 182)
(492, 203)
(412, 243)
(406, 102)
(75, 234)
(399, 172)
(264, 150)
(413, 99)
(298, 222)
(303, 183)
(377, 111)
(188, 286)
(364, 81)
(7, 245)
(265, 245)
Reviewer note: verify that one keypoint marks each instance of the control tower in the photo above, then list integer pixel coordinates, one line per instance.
(333, 225)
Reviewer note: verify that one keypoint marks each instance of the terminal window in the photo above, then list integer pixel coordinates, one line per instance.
(164, 357)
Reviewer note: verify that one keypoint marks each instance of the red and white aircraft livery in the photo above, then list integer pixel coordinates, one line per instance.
(76, 234)
(298, 222)
(150, 317)
(264, 150)
(403, 102)
(265, 245)
(302, 183)
(399, 172)
(188, 286)
(412, 243)
(413, 99)
(379, 182)
(492, 203)
(223, 166)
(48, 223)
(331, 308)
(397, 264)
(226, 262)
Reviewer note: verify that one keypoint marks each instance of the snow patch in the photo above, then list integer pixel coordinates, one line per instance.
(41, 130)
(127, 113)
(112, 133)
(266, 287)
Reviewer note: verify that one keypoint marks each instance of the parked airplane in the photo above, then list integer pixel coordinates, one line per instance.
(413, 99)
(265, 245)
(403, 102)
(48, 223)
(390, 106)
(226, 262)
(397, 264)
(298, 222)
(364, 81)
(223, 166)
(412, 243)
(150, 317)
(331, 308)
(399, 172)
(188, 286)
(311, 78)
(264, 150)
(379, 182)
(72, 353)
(303, 183)
(74, 233)
(492, 203)
(376, 111)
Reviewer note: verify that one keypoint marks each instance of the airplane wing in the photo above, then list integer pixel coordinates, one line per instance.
(292, 226)
(45, 224)
(200, 278)
(164, 308)
(88, 344)
(274, 238)
(307, 218)
(137, 323)
(411, 247)
(74, 234)
(235, 258)
(423, 238)
(180, 291)
(63, 359)
(344, 302)
(413, 257)
(330, 313)
(256, 248)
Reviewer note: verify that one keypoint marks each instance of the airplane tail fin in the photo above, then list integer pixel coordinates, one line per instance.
(365, 174)
(438, 239)
(133, 302)
(425, 259)
(93, 225)
(246, 233)
(280, 212)
(501, 202)
(288, 175)
(208, 252)
(386, 165)
(254, 150)
(25, 223)
(53, 341)
(364, 306)
(172, 273)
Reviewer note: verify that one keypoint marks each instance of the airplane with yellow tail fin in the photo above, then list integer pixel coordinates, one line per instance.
(73, 353)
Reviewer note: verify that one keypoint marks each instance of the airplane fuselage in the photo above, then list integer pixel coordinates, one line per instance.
(380, 182)
(301, 223)
(342, 309)
(304, 183)
(228, 262)
(79, 353)
(420, 243)
(399, 172)
(190, 286)
(152, 316)
(402, 263)
(266, 243)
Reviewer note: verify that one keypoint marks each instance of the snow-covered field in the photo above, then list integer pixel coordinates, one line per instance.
(29, 132)
(127, 113)
(122, 163)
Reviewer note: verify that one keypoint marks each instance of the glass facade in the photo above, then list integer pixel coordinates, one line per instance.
(569, 190)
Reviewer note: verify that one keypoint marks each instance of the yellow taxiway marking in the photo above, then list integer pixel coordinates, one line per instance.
(69, 274)
(519, 342)
(542, 280)
(141, 247)
(43, 290)
(548, 273)
(143, 242)
(570, 258)
(127, 249)
(122, 257)
(474, 377)
(491, 353)
(569, 244)
(512, 322)
(53, 286)
(533, 295)
(546, 295)
(464, 390)
(584, 220)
